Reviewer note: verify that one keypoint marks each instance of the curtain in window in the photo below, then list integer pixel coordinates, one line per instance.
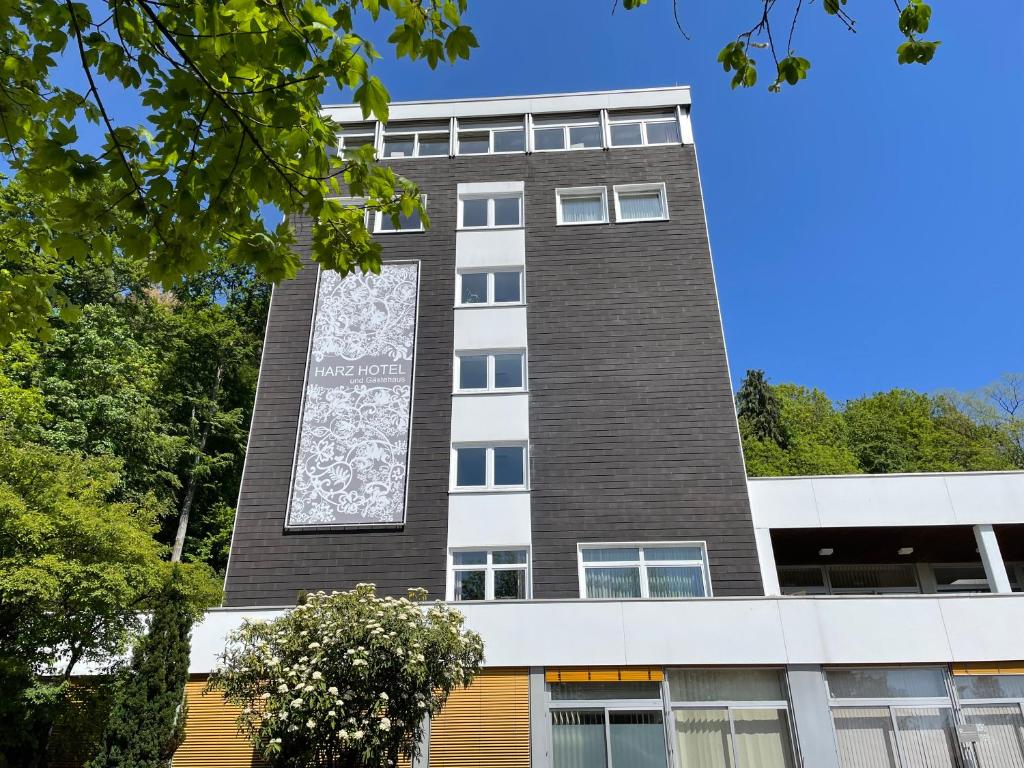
(926, 734)
(677, 581)
(702, 738)
(865, 738)
(577, 739)
(642, 205)
(637, 739)
(725, 685)
(887, 683)
(1005, 727)
(762, 738)
(613, 582)
(579, 210)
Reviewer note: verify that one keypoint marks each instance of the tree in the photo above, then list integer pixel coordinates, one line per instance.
(346, 679)
(999, 405)
(232, 100)
(740, 55)
(147, 720)
(756, 405)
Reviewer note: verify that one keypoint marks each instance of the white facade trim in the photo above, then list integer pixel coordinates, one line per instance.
(911, 629)
(857, 501)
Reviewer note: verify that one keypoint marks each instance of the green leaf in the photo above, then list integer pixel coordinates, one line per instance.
(373, 98)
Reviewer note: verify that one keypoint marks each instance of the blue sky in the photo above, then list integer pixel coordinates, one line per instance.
(866, 226)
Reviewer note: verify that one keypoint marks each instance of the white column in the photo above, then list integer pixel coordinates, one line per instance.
(992, 558)
(766, 559)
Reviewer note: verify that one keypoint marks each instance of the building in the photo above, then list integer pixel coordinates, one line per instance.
(529, 412)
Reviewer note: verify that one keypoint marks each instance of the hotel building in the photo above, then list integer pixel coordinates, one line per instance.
(529, 412)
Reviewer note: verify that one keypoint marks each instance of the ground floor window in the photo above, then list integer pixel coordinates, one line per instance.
(898, 717)
(994, 704)
(730, 718)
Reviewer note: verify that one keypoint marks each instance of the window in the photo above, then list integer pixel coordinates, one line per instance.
(567, 132)
(644, 130)
(355, 137)
(995, 702)
(498, 574)
(640, 202)
(484, 139)
(484, 288)
(897, 717)
(582, 205)
(869, 579)
(416, 141)
(622, 571)
(607, 725)
(489, 371)
(727, 717)
(489, 467)
(490, 211)
(411, 223)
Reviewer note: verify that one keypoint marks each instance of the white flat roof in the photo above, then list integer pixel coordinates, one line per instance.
(634, 98)
(857, 501)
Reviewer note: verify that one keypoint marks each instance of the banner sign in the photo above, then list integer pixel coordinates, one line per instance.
(352, 457)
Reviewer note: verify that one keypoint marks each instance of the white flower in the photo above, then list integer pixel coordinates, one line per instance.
(276, 741)
(282, 688)
(266, 695)
(357, 735)
(273, 661)
(311, 723)
(317, 675)
(313, 646)
(383, 696)
(333, 691)
(385, 724)
(358, 662)
(296, 703)
(332, 713)
(283, 714)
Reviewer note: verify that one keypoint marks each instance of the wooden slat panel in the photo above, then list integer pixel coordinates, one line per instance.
(999, 668)
(486, 725)
(211, 735)
(603, 674)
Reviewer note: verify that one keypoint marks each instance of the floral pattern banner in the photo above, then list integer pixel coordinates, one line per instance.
(353, 452)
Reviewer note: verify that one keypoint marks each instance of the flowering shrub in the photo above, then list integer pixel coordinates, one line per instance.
(346, 679)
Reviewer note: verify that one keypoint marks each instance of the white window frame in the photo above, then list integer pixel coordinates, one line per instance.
(489, 485)
(827, 588)
(643, 121)
(490, 130)
(658, 187)
(415, 143)
(594, 122)
(562, 193)
(642, 563)
(489, 567)
(370, 132)
(489, 354)
(378, 220)
(490, 197)
(731, 705)
(489, 271)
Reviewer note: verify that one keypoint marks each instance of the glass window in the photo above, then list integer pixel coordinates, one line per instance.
(637, 203)
(627, 134)
(489, 372)
(474, 288)
(960, 578)
(873, 579)
(586, 205)
(507, 287)
(725, 685)
(508, 465)
(865, 737)
(577, 739)
(411, 223)
(474, 212)
(887, 682)
(489, 574)
(509, 141)
(433, 145)
(666, 132)
(762, 738)
(477, 212)
(471, 467)
(474, 143)
(357, 136)
(508, 371)
(472, 371)
(989, 686)
(584, 136)
(926, 735)
(549, 138)
(637, 739)
(802, 580)
(399, 146)
(605, 691)
(1004, 729)
(506, 211)
(666, 571)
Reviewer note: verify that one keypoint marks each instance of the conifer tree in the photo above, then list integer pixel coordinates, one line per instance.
(758, 409)
(147, 720)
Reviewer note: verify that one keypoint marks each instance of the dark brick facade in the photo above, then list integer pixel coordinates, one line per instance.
(632, 430)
